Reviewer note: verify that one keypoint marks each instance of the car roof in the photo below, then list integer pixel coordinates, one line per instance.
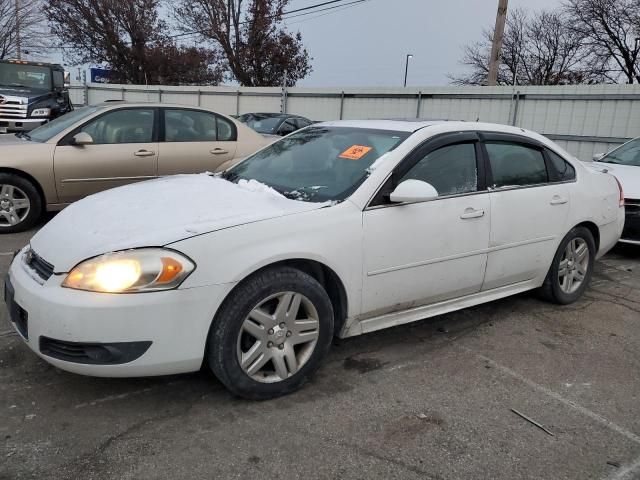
(413, 125)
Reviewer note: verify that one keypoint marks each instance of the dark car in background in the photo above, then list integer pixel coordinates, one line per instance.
(274, 123)
(31, 94)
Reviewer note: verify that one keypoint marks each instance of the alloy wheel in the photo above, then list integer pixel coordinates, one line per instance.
(574, 265)
(14, 205)
(278, 337)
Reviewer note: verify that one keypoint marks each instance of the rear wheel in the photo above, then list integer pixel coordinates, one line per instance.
(572, 267)
(20, 204)
(271, 334)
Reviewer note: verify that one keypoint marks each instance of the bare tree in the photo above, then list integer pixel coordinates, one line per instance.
(250, 36)
(538, 49)
(131, 38)
(610, 29)
(32, 27)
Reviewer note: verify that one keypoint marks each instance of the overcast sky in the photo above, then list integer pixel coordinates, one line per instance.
(367, 44)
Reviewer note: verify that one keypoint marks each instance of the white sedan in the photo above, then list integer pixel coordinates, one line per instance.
(624, 164)
(341, 228)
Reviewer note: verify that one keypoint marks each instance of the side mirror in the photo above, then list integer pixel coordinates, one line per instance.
(82, 138)
(411, 191)
(67, 79)
(598, 156)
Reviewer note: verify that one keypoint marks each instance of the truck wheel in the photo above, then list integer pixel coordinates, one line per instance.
(20, 204)
(271, 334)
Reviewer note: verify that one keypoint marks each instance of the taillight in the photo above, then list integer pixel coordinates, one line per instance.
(621, 200)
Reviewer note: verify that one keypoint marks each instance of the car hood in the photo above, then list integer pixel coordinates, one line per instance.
(156, 213)
(627, 175)
(10, 139)
(32, 94)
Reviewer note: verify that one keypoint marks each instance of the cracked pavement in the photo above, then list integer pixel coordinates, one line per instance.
(431, 400)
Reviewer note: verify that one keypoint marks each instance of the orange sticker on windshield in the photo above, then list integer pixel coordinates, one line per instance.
(355, 152)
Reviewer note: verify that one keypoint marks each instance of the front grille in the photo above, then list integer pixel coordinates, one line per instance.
(39, 265)
(632, 220)
(93, 353)
(13, 109)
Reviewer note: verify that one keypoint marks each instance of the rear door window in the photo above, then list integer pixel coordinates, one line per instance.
(516, 165)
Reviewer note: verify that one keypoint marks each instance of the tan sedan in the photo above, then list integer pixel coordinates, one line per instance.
(99, 147)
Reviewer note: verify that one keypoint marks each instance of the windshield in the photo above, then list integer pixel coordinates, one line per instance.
(54, 127)
(627, 154)
(29, 76)
(318, 163)
(262, 123)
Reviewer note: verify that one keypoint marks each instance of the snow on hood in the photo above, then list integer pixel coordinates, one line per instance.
(155, 213)
(627, 175)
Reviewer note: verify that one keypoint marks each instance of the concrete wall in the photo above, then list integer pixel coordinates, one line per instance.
(584, 119)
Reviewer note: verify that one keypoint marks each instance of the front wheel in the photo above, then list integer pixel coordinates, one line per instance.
(572, 267)
(271, 334)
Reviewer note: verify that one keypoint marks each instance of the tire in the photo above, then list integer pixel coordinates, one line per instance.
(558, 288)
(15, 190)
(256, 327)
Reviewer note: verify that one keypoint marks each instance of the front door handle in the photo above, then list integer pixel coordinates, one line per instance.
(558, 200)
(472, 213)
(144, 153)
(218, 151)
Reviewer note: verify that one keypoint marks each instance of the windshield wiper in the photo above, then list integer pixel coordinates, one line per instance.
(23, 135)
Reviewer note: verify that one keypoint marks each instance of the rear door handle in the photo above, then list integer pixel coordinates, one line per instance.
(558, 200)
(144, 153)
(472, 213)
(218, 151)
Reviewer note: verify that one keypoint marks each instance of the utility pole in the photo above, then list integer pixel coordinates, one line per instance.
(496, 49)
(18, 52)
(283, 98)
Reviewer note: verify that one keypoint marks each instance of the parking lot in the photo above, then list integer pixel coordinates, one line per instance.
(429, 400)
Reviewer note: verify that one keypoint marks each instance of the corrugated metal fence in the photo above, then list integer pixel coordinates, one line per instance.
(584, 119)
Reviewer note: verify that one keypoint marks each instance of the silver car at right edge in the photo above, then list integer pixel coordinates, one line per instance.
(624, 163)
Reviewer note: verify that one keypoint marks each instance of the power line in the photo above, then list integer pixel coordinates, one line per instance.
(342, 8)
(285, 16)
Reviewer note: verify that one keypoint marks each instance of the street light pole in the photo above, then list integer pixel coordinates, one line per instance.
(406, 68)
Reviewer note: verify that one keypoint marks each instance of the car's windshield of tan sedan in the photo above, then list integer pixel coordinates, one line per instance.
(318, 163)
(54, 127)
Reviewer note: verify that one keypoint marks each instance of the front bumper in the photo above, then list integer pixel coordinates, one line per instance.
(20, 124)
(631, 232)
(174, 324)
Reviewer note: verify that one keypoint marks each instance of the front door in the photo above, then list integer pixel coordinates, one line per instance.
(123, 151)
(421, 253)
(195, 141)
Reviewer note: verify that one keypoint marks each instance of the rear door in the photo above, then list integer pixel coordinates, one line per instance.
(195, 141)
(529, 209)
(124, 150)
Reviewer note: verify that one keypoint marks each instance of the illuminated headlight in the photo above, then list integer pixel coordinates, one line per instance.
(41, 112)
(130, 271)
